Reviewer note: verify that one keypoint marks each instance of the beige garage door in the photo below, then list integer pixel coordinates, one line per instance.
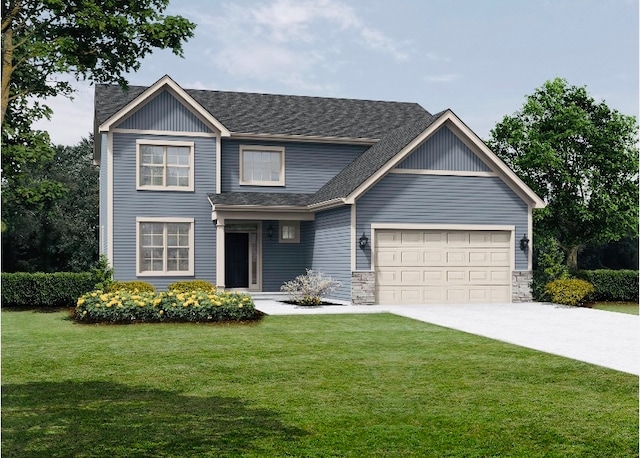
(436, 266)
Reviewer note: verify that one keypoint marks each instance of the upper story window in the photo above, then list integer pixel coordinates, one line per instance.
(165, 165)
(261, 165)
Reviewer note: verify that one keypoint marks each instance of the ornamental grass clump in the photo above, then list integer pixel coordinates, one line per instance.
(309, 289)
(195, 306)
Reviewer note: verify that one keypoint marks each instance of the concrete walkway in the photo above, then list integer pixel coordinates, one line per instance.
(606, 339)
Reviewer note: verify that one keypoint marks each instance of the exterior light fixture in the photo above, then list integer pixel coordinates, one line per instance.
(524, 243)
(363, 241)
(270, 232)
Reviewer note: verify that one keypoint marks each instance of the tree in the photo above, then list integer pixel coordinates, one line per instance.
(581, 157)
(62, 234)
(89, 39)
(45, 41)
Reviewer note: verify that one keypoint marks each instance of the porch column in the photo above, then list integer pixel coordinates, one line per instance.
(220, 280)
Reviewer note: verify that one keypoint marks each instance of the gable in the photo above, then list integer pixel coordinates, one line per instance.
(444, 151)
(164, 112)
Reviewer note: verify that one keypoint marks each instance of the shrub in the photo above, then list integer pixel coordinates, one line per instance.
(122, 306)
(612, 285)
(103, 273)
(45, 290)
(308, 289)
(549, 265)
(192, 285)
(133, 286)
(569, 291)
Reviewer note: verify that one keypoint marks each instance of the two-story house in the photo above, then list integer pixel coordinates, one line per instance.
(249, 190)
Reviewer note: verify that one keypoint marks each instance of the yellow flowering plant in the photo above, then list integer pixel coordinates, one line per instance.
(122, 306)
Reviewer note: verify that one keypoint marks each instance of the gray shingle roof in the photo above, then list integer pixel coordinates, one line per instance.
(271, 199)
(372, 159)
(395, 124)
(252, 113)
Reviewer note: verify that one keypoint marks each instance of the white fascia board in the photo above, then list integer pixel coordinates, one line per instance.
(164, 83)
(327, 204)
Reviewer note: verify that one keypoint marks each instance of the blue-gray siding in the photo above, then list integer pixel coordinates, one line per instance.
(308, 166)
(444, 151)
(436, 199)
(331, 248)
(282, 262)
(128, 203)
(164, 112)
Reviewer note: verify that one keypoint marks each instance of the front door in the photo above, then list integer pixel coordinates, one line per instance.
(237, 263)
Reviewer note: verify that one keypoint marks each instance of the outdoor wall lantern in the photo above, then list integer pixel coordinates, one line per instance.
(524, 243)
(270, 232)
(363, 241)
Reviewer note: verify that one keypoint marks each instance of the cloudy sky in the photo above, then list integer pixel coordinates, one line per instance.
(478, 57)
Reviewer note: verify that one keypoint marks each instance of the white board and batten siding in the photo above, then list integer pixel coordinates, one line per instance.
(415, 266)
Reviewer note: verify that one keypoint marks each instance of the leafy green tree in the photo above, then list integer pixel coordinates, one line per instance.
(62, 233)
(581, 157)
(44, 43)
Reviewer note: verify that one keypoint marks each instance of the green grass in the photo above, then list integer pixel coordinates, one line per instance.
(621, 307)
(312, 386)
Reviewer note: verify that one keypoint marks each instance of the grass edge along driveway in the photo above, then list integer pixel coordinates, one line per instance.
(347, 385)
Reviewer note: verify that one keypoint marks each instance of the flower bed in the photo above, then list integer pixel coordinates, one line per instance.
(196, 306)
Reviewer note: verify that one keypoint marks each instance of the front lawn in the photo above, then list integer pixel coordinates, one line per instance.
(621, 307)
(313, 386)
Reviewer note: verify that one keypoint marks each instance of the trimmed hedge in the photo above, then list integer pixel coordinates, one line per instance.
(133, 286)
(145, 307)
(45, 290)
(612, 285)
(571, 291)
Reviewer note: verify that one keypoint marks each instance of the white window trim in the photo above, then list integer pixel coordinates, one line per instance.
(277, 149)
(190, 145)
(180, 273)
(295, 224)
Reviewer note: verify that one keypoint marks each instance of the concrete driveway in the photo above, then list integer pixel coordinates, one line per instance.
(594, 336)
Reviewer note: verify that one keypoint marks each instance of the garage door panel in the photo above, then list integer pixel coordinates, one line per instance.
(387, 238)
(457, 276)
(387, 257)
(411, 238)
(457, 238)
(410, 257)
(433, 258)
(442, 266)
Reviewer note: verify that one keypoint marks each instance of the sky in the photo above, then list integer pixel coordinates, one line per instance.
(480, 58)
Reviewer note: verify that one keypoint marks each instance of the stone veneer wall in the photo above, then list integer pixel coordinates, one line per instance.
(363, 287)
(521, 286)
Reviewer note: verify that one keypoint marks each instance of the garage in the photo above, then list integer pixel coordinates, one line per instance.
(442, 266)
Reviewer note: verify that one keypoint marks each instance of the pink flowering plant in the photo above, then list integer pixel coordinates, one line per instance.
(193, 306)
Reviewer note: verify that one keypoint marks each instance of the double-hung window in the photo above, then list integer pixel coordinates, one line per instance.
(261, 165)
(165, 246)
(165, 165)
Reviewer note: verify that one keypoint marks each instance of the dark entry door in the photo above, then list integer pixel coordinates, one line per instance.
(236, 248)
